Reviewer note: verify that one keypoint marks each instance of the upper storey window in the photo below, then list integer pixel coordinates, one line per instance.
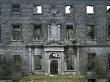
(108, 32)
(16, 9)
(16, 32)
(108, 9)
(90, 32)
(69, 32)
(90, 9)
(37, 9)
(68, 9)
(37, 32)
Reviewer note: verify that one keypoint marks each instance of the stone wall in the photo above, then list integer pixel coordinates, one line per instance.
(78, 18)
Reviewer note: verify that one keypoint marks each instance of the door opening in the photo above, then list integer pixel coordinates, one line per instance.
(54, 67)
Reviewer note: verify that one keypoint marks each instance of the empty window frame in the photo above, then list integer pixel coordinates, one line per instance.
(37, 62)
(109, 61)
(0, 32)
(91, 61)
(0, 58)
(37, 32)
(90, 32)
(108, 32)
(68, 9)
(16, 32)
(108, 9)
(69, 32)
(37, 9)
(91, 80)
(0, 10)
(17, 62)
(15, 80)
(15, 8)
(69, 57)
(70, 62)
(90, 9)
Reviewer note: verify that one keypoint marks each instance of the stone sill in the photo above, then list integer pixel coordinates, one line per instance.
(16, 13)
(16, 40)
(37, 40)
(38, 70)
(108, 39)
(70, 71)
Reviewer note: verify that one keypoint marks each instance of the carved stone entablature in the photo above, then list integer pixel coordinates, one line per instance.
(34, 45)
(54, 43)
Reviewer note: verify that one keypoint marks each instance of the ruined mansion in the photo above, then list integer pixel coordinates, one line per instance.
(55, 36)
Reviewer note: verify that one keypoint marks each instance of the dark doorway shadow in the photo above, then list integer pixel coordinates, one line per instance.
(54, 67)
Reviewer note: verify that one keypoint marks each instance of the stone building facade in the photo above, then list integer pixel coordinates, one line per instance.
(55, 36)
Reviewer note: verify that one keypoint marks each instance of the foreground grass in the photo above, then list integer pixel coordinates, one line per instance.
(36, 78)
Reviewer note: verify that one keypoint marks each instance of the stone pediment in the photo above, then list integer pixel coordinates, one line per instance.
(54, 43)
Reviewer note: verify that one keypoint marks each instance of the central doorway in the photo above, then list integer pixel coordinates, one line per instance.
(54, 67)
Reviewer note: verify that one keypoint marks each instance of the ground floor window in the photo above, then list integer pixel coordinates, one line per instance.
(70, 62)
(37, 62)
(15, 80)
(0, 57)
(17, 62)
(69, 58)
(91, 61)
(91, 80)
(109, 61)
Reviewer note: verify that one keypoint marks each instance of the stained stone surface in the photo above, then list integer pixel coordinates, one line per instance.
(52, 16)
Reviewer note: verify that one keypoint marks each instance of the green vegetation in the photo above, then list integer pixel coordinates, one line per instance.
(55, 78)
(10, 69)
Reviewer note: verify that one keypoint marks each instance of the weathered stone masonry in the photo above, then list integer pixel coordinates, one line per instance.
(53, 21)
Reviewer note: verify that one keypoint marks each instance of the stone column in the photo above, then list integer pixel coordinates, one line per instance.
(30, 59)
(78, 71)
(46, 63)
(62, 63)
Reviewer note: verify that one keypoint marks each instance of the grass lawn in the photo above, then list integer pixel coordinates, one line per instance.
(36, 78)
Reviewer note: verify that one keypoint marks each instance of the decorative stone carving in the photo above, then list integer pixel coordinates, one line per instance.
(54, 43)
(53, 32)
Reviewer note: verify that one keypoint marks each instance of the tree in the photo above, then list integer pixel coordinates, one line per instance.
(5, 65)
(98, 70)
(10, 69)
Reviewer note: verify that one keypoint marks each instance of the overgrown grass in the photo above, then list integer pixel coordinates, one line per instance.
(36, 78)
